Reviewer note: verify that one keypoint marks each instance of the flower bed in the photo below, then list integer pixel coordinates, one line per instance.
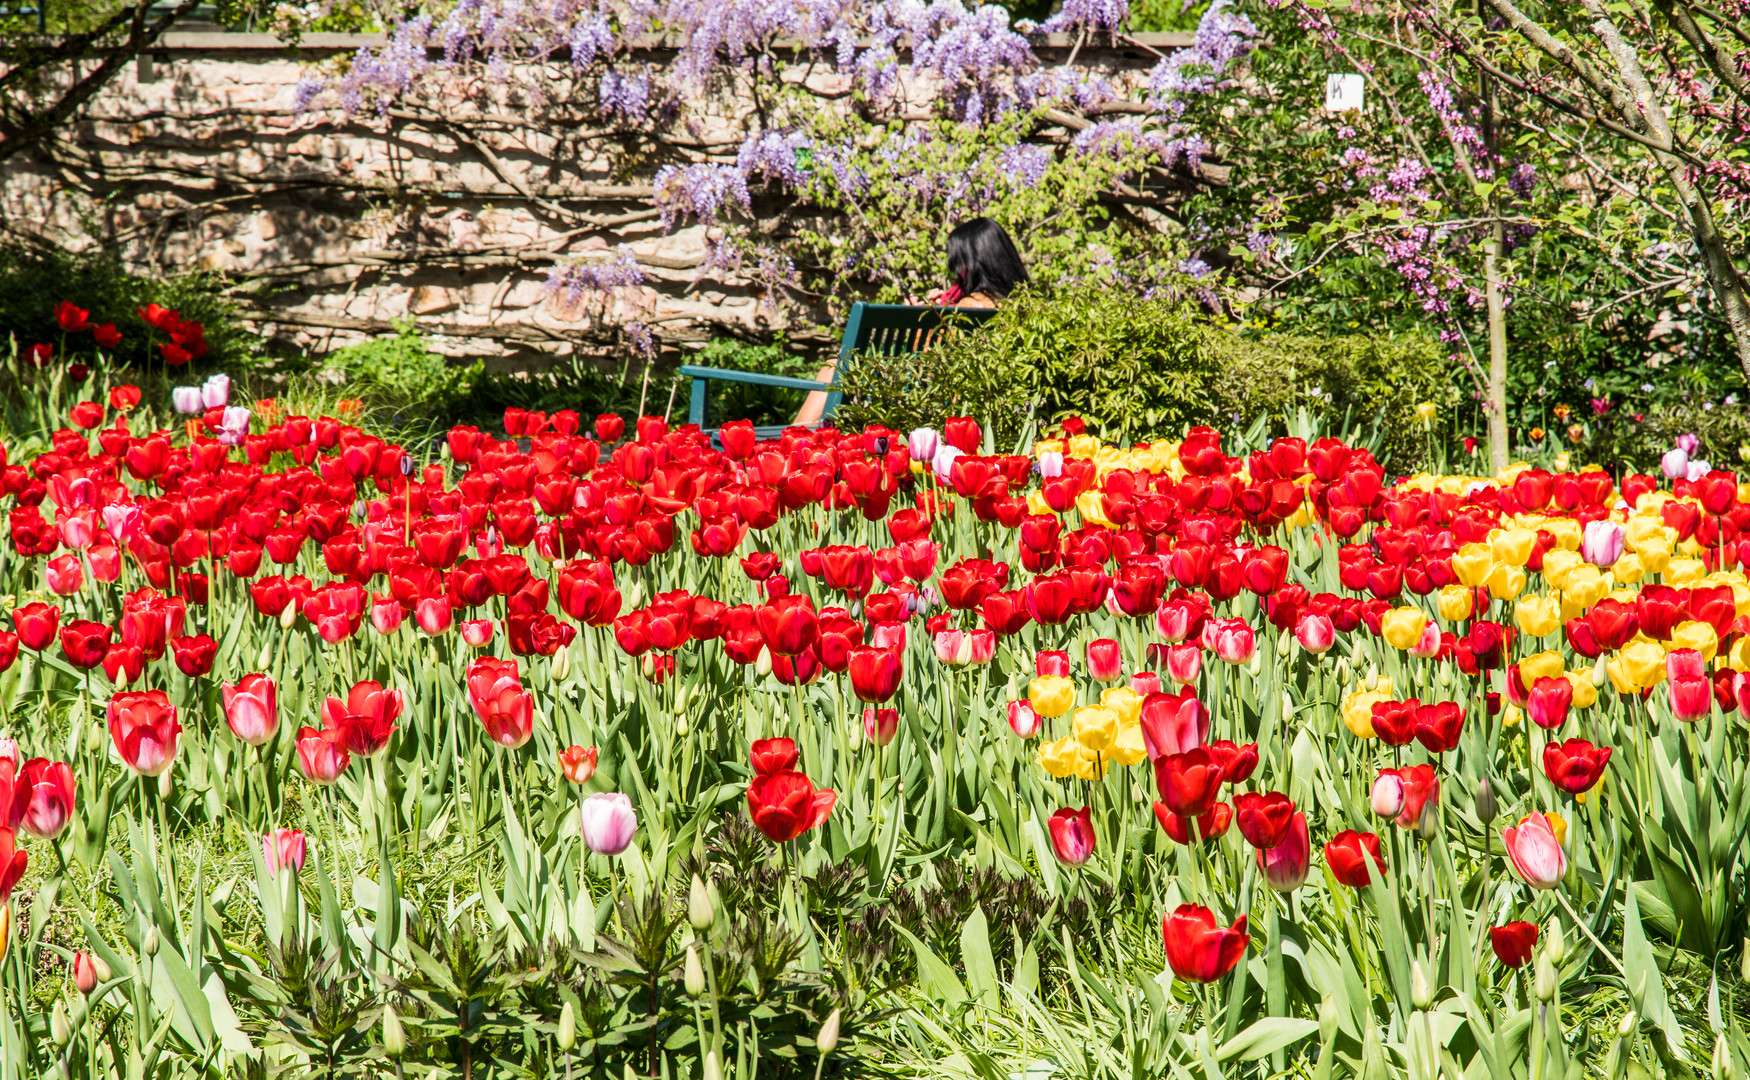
(610, 750)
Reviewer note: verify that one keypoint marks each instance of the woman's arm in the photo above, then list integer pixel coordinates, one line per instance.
(815, 403)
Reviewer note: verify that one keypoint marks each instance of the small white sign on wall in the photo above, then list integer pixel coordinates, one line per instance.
(1343, 92)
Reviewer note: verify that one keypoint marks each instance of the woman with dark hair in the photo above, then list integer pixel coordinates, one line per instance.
(986, 269)
(985, 265)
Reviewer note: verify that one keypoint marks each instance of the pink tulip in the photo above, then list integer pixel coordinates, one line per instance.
(1285, 866)
(251, 708)
(1601, 542)
(1685, 662)
(1387, 797)
(321, 758)
(1145, 683)
(984, 645)
(1023, 721)
(953, 647)
(1535, 853)
(1315, 632)
(888, 635)
(283, 848)
(1692, 696)
(1173, 723)
(387, 614)
(607, 822)
(1230, 639)
(1184, 662)
(64, 575)
(477, 632)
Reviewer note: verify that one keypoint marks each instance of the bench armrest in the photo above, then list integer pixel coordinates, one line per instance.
(753, 377)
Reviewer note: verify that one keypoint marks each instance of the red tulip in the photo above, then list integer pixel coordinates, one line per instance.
(144, 727)
(789, 624)
(1072, 835)
(1547, 703)
(1395, 721)
(12, 864)
(72, 319)
(1199, 949)
(322, 755)
(84, 643)
(881, 725)
(194, 655)
(784, 805)
(1173, 723)
(363, 722)
(1264, 820)
(769, 756)
(36, 625)
(875, 673)
(1576, 765)
(1189, 782)
(1691, 696)
(1513, 942)
(505, 707)
(1237, 762)
(1105, 660)
(578, 763)
(43, 802)
(1438, 726)
(1187, 831)
(1354, 858)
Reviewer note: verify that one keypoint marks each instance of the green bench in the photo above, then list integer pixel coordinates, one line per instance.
(882, 329)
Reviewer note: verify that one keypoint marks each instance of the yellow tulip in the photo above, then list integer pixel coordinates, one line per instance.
(1538, 616)
(1513, 546)
(1619, 676)
(1052, 695)
(1628, 569)
(1402, 627)
(1642, 528)
(1425, 410)
(1036, 503)
(1558, 565)
(1558, 825)
(1655, 556)
(1586, 586)
(1740, 591)
(1358, 711)
(1456, 602)
(1127, 703)
(1566, 531)
(1739, 658)
(1128, 748)
(1096, 727)
(1698, 636)
(1061, 758)
(1084, 446)
(1092, 506)
(1543, 665)
(1472, 564)
(1506, 582)
(1684, 571)
(1585, 694)
(1644, 662)
(1511, 716)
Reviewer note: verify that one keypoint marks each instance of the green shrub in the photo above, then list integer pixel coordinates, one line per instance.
(1145, 369)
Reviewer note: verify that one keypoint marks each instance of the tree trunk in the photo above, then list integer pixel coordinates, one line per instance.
(1497, 403)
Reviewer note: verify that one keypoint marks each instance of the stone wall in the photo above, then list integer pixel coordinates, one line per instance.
(196, 158)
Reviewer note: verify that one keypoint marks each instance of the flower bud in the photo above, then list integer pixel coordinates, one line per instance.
(288, 616)
(1484, 802)
(699, 910)
(1744, 962)
(1723, 1068)
(149, 944)
(394, 1037)
(166, 784)
(1421, 994)
(1428, 824)
(762, 665)
(829, 1034)
(1544, 984)
(694, 978)
(1344, 674)
(567, 1028)
(61, 1029)
(84, 973)
(5, 928)
(1554, 944)
(1284, 643)
(562, 665)
(713, 1068)
(1626, 1026)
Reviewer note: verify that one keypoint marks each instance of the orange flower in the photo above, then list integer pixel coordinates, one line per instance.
(1561, 412)
(1536, 434)
(349, 406)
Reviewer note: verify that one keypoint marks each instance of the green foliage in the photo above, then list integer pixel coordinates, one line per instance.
(1141, 370)
(400, 370)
